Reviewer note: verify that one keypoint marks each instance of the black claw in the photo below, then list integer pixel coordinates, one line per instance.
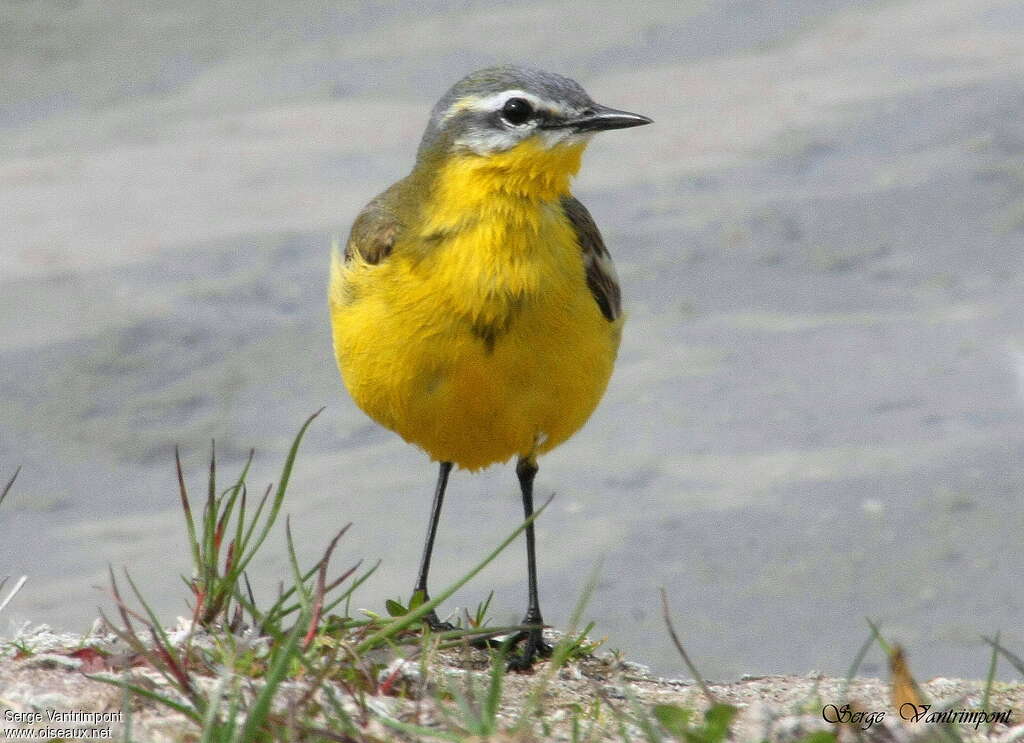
(534, 648)
(436, 625)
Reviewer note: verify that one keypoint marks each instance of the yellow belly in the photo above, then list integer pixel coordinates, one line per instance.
(408, 341)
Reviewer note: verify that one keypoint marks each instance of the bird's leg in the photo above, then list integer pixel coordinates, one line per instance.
(435, 516)
(526, 469)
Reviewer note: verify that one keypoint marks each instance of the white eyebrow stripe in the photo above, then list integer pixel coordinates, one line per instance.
(495, 101)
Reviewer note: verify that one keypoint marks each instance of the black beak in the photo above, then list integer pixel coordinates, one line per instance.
(597, 118)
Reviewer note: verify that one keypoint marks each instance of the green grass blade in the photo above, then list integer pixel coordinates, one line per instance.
(225, 507)
(877, 636)
(148, 694)
(667, 616)
(481, 610)
(186, 507)
(418, 732)
(275, 506)
(126, 705)
(642, 719)
(154, 620)
(532, 705)
(211, 721)
(347, 726)
(240, 518)
(351, 589)
(493, 699)
(209, 560)
(400, 623)
(254, 522)
(857, 660)
(9, 485)
(275, 675)
(471, 721)
(1015, 661)
(305, 595)
(990, 678)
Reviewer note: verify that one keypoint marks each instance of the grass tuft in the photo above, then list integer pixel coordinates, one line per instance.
(294, 669)
(301, 666)
(666, 615)
(215, 587)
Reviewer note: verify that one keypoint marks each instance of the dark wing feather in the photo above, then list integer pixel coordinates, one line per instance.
(597, 261)
(375, 230)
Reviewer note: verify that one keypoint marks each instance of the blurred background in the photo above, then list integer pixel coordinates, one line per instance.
(817, 412)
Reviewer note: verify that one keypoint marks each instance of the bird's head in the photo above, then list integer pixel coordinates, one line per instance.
(505, 110)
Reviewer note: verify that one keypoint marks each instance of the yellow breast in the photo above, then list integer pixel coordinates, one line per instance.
(478, 338)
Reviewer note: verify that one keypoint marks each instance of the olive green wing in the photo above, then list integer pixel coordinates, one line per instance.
(597, 261)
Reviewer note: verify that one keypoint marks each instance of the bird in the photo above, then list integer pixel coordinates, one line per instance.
(475, 309)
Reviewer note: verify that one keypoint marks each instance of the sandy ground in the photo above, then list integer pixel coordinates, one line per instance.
(817, 413)
(772, 709)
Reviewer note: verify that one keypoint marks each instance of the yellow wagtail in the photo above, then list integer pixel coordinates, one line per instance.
(475, 310)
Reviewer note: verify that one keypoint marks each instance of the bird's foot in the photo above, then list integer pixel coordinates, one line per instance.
(436, 625)
(534, 647)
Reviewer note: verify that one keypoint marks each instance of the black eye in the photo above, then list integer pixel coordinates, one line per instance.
(516, 111)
